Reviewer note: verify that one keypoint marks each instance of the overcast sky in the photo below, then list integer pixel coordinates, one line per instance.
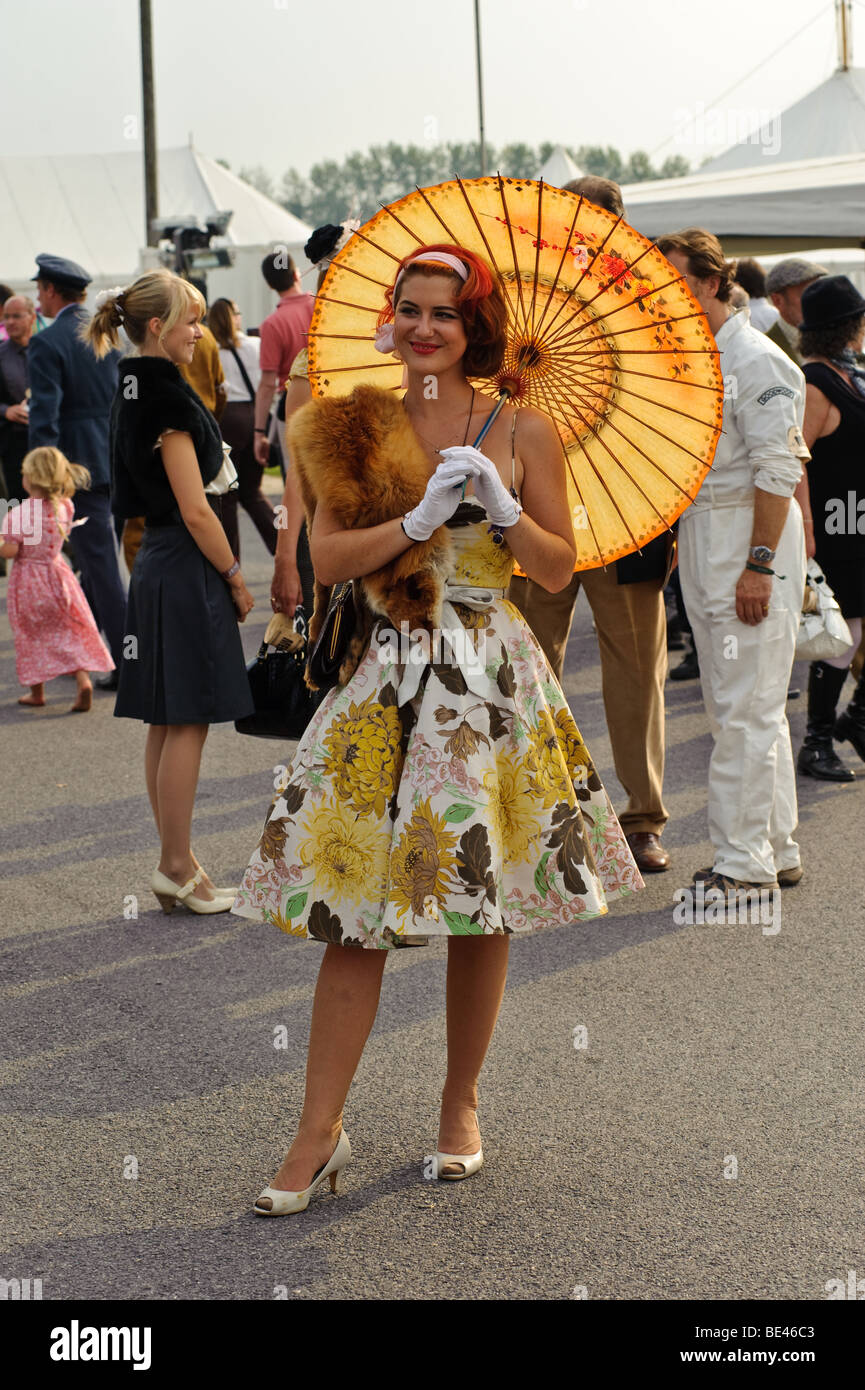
(282, 83)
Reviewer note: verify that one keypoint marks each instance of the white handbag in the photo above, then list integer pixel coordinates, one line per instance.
(226, 478)
(823, 633)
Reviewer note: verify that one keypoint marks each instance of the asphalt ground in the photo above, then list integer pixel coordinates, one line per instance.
(704, 1143)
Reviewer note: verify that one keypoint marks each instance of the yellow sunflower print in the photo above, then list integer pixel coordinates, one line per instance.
(347, 853)
(575, 752)
(481, 561)
(512, 823)
(363, 755)
(548, 777)
(421, 863)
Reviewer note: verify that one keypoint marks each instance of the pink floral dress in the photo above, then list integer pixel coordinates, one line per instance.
(452, 796)
(50, 618)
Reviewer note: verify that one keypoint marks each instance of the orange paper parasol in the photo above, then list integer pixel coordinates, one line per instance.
(604, 336)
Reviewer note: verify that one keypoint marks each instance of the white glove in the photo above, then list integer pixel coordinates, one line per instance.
(441, 499)
(501, 508)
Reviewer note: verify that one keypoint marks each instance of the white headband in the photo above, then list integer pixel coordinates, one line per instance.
(444, 256)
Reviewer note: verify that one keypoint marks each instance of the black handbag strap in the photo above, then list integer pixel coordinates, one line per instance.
(243, 372)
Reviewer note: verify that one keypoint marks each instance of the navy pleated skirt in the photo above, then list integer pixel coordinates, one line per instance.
(183, 660)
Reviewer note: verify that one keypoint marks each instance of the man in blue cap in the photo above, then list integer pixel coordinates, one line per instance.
(71, 392)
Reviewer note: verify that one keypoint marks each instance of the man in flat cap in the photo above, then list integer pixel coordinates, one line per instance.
(784, 285)
(71, 392)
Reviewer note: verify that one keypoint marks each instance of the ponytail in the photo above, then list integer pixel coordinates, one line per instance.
(101, 331)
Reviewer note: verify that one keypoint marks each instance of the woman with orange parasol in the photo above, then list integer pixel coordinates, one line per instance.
(442, 790)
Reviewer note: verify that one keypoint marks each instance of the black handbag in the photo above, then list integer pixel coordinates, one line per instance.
(284, 704)
(331, 647)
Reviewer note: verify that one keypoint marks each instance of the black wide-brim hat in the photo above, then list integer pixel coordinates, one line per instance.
(829, 301)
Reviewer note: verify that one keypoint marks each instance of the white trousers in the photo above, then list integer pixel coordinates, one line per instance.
(745, 673)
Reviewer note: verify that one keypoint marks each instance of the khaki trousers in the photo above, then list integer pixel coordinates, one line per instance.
(632, 638)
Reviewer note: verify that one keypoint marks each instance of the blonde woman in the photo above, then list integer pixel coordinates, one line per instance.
(183, 666)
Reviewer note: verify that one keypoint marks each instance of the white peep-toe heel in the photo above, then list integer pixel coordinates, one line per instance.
(470, 1163)
(273, 1202)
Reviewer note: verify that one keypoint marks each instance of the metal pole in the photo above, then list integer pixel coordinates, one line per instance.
(842, 9)
(148, 112)
(480, 89)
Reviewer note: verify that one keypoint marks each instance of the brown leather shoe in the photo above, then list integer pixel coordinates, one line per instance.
(648, 851)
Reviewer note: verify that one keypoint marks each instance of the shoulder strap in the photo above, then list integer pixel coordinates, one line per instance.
(243, 372)
(513, 460)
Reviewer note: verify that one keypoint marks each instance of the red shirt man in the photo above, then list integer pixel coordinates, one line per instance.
(283, 335)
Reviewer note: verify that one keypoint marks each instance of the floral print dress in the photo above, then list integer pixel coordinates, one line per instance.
(448, 796)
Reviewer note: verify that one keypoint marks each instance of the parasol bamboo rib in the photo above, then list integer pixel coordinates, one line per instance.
(659, 405)
(355, 367)
(610, 424)
(558, 273)
(371, 279)
(583, 274)
(644, 327)
(402, 224)
(538, 240)
(674, 381)
(576, 488)
(600, 479)
(645, 294)
(369, 241)
(646, 425)
(349, 304)
(562, 334)
(628, 476)
(519, 278)
(695, 419)
(565, 336)
(556, 373)
(435, 212)
(355, 337)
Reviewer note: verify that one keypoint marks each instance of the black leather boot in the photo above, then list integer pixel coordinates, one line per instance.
(851, 724)
(817, 757)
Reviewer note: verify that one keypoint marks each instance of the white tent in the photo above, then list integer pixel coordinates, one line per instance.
(560, 169)
(830, 120)
(91, 208)
(769, 207)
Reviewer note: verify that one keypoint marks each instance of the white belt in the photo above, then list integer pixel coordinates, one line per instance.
(712, 495)
(472, 595)
(454, 635)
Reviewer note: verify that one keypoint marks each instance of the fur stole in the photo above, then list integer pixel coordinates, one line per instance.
(359, 456)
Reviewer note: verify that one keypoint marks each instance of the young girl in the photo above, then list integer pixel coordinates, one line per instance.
(51, 621)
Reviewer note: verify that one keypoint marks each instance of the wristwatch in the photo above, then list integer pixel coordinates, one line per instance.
(761, 554)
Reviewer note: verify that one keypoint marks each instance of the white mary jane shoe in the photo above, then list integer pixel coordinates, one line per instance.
(284, 1203)
(470, 1163)
(171, 894)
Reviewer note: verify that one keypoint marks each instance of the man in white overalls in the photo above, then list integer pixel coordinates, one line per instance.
(742, 567)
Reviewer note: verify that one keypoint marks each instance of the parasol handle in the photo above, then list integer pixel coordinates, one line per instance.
(504, 396)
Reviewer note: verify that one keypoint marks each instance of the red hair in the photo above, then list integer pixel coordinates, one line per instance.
(479, 299)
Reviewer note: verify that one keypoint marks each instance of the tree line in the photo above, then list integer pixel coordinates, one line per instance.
(357, 185)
